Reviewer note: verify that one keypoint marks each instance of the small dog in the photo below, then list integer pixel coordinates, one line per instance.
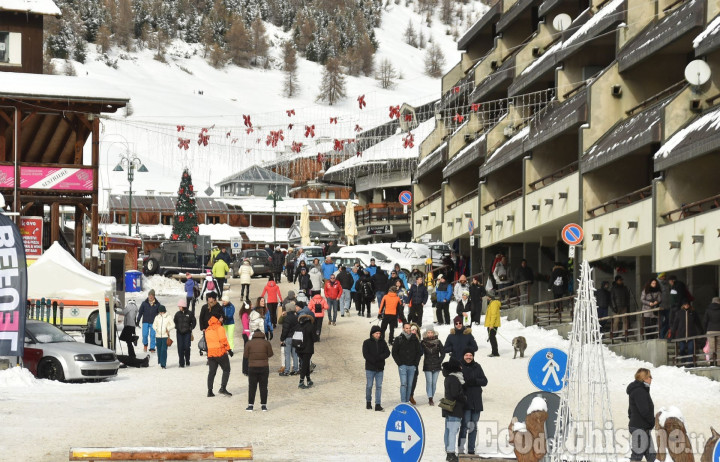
(519, 345)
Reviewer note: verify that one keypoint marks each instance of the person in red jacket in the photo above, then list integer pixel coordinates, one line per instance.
(333, 291)
(273, 298)
(318, 306)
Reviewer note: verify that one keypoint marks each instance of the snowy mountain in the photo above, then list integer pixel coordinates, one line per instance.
(172, 101)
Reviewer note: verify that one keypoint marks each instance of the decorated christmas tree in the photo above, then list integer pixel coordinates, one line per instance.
(185, 226)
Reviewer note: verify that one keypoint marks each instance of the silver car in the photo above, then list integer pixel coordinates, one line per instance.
(52, 354)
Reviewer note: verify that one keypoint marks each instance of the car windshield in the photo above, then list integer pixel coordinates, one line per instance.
(47, 333)
(188, 259)
(315, 252)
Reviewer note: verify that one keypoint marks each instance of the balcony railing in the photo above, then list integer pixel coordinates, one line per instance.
(620, 202)
(514, 295)
(691, 209)
(657, 97)
(504, 200)
(693, 358)
(634, 328)
(381, 213)
(429, 199)
(467, 197)
(554, 176)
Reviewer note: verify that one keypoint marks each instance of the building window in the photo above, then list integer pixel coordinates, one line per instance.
(166, 219)
(331, 194)
(212, 219)
(261, 190)
(4, 47)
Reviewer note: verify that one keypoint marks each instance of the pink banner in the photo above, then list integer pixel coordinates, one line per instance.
(57, 178)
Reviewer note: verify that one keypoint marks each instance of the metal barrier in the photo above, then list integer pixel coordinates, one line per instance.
(693, 358)
(141, 453)
(514, 295)
(557, 311)
(638, 332)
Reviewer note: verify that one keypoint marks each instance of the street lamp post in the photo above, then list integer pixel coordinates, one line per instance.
(131, 162)
(275, 197)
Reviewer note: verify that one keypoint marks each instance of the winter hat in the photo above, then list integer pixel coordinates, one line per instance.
(225, 297)
(457, 319)
(453, 365)
(182, 303)
(152, 292)
(468, 350)
(161, 309)
(374, 329)
(291, 294)
(661, 275)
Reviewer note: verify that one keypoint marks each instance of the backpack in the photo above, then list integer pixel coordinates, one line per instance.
(211, 285)
(318, 307)
(558, 281)
(366, 290)
(297, 337)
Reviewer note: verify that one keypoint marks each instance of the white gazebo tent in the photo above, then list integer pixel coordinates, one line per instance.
(56, 274)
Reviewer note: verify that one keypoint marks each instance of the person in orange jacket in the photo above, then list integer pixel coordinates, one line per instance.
(333, 291)
(391, 308)
(318, 306)
(218, 351)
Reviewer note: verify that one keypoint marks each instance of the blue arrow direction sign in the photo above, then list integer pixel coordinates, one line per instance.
(547, 368)
(404, 434)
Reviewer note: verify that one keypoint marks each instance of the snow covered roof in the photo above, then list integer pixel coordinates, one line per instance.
(285, 206)
(542, 58)
(256, 174)
(486, 18)
(42, 86)
(512, 142)
(461, 159)
(254, 234)
(47, 7)
(557, 118)
(388, 149)
(595, 25)
(217, 232)
(695, 138)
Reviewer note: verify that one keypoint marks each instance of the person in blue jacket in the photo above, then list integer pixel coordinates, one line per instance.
(444, 293)
(328, 268)
(402, 276)
(148, 311)
(355, 273)
(190, 292)
(372, 268)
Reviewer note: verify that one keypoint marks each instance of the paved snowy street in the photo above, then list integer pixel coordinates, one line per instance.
(155, 407)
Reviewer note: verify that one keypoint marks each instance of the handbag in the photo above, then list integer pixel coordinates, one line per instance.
(169, 341)
(447, 405)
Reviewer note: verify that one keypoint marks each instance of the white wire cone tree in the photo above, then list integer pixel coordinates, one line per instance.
(584, 427)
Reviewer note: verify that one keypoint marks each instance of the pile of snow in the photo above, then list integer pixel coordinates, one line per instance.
(161, 285)
(712, 29)
(20, 378)
(519, 427)
(538, 403)
(668, 413)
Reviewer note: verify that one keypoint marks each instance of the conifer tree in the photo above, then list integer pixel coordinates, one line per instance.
(290, 68)
(434, 60)
(332, 88)
(185, 225)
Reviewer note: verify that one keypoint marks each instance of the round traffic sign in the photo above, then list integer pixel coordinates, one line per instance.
(405, 197)
(404, 434)
(471, 226)
(547, 368)
(572, 234)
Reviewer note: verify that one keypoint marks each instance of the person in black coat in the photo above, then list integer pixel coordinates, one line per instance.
(558, 284)
(641, 413)
(477, 293)
(375, 351)
(620, 303)
(184, 324)
(306, 324)
(366, 290)
(433, 356)
(474, 381)
(381, 283)
(454, 391)
(686, 324)
(278, 258)
(417, 297)
(459, 340)
(711, 324)
(679, 296)
(602, 296)
(290, 323)
(406, 352)
(303, 279)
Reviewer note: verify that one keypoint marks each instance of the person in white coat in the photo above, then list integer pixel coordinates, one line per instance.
(246, 274)
(316, 278)
(162, 324)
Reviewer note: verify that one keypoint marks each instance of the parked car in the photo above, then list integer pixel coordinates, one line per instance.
(384, 255)
(434, 250)
(349, 259)
(260, 260)
(52, 354)
(172, 258)
(314, 251)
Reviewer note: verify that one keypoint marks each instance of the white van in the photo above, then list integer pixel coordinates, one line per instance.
(384, 254)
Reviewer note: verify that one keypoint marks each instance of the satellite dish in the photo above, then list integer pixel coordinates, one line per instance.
(562, 22)
(697, 72)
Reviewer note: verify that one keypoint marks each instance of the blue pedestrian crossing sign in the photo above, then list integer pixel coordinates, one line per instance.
(404, 434)
(547, 368)
(716, 452)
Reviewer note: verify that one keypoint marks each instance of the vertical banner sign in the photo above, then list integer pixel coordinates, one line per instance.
(13, 289)
(31, 229)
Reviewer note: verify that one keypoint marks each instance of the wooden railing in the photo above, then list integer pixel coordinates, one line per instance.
(554, 176)
(693, 208)
(697, 357)
(381, 213)
(656, 97)
(514, 295)
(576, 89)
(557, 311)
(429, 199)
(503, 200)
(467, 197)
(620, 202)
(635, 333)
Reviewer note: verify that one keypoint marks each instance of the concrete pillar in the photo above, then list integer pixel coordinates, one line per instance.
(531, 253)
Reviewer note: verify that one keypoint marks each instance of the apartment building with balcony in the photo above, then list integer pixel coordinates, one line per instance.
(563, 112)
